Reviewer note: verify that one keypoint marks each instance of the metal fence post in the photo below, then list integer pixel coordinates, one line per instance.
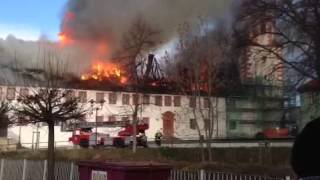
(202, 174)
(44, 170)
(1, 170)
(24, 169)
(71, 171)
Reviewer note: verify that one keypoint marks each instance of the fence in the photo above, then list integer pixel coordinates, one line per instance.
(12, 146)
(37, 170)
(209, 175)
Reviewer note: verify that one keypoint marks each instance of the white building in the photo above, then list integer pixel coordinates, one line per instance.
(174, 115)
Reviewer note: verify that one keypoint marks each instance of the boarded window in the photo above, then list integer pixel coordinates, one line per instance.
(193, 124)
(99, 118)
(112, 98)
(146, 99)
(177, 101)
(11, 93)
(112, 118)
(206, 102)
(82, 95)
(125, 99)
(167, 101)
(192, 102)
(136, 99)
(99, 97)
(158, 100)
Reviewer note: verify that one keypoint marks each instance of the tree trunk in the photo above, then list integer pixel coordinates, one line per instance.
(209, 150)
(203, 157)
(134, 128)
(51, 160)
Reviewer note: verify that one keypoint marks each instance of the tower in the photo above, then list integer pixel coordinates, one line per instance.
(261, 61)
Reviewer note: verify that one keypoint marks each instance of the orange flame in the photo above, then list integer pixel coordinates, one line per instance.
(64, 39)
(103, 71)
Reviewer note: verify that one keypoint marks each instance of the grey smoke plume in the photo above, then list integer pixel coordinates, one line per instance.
(100, 20)
(108, 19)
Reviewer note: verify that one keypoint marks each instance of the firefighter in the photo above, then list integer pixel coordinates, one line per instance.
(144, 140)
(158, 137)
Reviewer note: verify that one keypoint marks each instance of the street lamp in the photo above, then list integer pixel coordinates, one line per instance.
(97, 108)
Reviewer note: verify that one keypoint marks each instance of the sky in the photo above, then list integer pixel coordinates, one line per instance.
(28, 19)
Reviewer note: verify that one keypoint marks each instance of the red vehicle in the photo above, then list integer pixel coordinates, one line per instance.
(124, 137)
(273, 133)
(81, 137)
(84, 137)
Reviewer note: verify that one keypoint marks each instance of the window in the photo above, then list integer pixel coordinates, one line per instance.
(145, 120)
(136, 99)
(167, 101)
(23, 92)
(99, 97)
(125, 99)
(263, 28)
(112, 98)
(41, 91)
(177, 101)
(233, 125)
(193, 124)
(11, 93)
(57, 92)
(158, 100)
(82, 95)
(146, 99)
(125, 118)
(99, 118)
(206, 124)
(1, 93)
(206, 103)
(313, 96)
(112, 118)
(192, 102)
(70, 94)
(269, 27)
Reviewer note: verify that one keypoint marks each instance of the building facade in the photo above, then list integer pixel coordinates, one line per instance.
(176, 116)
(248, 115)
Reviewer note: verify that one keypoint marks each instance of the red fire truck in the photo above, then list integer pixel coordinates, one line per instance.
(275, 133)
(84, 137)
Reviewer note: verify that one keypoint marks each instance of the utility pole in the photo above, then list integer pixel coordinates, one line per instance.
(96, 136)
(101, 102)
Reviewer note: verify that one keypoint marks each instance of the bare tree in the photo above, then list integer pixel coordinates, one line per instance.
(4, 121)
(293, 27)
(205, 70)
(139, 39)
(48, 103)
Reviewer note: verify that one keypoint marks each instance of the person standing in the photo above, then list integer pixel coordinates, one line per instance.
(305, 155)
(158, 137)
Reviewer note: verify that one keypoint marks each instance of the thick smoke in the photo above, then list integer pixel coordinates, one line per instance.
(97, 20)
